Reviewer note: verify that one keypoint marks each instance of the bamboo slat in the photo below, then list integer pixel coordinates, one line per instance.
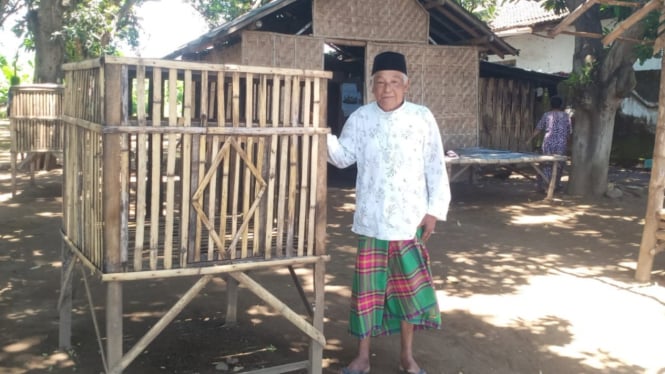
(293, 168)
(142, 166)
(170, 169)
(156, 175)
(186, 178)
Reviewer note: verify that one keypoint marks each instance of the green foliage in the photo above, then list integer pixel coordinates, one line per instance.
(92, 30)
(217, 12)
(12, 74)
(485, 10)
(558, 6)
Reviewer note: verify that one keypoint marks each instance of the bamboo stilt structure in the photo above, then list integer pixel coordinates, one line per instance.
(172, 169)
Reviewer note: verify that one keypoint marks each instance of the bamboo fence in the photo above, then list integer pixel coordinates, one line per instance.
(192, 169)
(507, 116)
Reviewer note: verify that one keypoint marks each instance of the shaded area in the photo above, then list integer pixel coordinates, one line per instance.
(524, 286)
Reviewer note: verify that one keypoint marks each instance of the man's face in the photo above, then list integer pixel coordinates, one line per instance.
(389, 89)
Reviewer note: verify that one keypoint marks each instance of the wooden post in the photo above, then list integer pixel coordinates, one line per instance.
(113, 210)
(315, 348)
(656, 189)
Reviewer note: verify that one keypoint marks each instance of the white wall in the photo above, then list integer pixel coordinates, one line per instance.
(542, 54)
(554, 55)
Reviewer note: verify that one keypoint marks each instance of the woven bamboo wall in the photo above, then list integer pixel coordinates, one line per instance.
(506, 114)
(445, 79)
(375, 20)
(34, 119)
(282, 51)
(172, 164)
(231, 54)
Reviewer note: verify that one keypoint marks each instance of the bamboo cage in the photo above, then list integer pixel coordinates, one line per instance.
(34, 124)
(175, 169)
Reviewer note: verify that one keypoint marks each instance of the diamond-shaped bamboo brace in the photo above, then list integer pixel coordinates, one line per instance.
(219, 157)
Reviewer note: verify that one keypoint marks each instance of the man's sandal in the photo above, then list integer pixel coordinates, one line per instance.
(346, 370)
(404, 371)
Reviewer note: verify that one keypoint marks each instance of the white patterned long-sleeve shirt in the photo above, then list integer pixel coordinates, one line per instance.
(401, 169)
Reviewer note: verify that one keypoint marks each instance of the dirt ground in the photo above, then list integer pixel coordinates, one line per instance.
(525, 286)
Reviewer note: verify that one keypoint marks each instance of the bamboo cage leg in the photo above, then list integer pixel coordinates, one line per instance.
(157, 328)
(13, 157)
(231, 301)
(65, 303)
(13, 153)
(315, 347)
(114, 323)
(32, 171)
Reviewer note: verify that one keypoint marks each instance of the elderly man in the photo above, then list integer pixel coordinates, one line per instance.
(402, 189)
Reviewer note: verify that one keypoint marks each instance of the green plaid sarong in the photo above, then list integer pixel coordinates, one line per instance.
(392, 283)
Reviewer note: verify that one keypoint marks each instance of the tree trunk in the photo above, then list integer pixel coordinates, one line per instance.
(592, 143)
(604, 77)
(46, 25)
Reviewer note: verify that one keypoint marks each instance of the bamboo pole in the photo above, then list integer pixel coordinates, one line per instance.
(283, 170)
(259, 226)
(212, 193)
(113, 210)
(142, 166)
(186, 174)
(236, 169)
(249, 159)
(156, 173)
(575, 14)
(293, 168)
(213, 269)
(648, 244)
(631, 20)
(272, 167)
(318, 176)
(203, 150)
(304, 165)
(223, 210)
(176, 64)
(170, 170)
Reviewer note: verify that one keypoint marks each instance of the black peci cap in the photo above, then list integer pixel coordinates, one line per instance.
(389, 61)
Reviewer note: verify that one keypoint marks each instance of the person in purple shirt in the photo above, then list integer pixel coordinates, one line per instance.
(557, 126)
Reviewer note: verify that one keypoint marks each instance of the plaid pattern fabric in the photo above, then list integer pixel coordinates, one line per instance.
(392, 283)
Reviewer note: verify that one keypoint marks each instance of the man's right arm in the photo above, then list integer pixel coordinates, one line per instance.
(341, 151)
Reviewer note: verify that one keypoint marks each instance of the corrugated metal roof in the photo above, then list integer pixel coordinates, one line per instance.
(523, 13)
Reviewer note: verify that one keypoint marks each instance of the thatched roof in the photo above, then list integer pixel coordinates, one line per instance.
(450, 24)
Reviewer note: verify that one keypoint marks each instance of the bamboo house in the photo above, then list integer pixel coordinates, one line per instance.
(442, 42)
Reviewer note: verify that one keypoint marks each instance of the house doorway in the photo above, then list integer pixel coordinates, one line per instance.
(345, 94)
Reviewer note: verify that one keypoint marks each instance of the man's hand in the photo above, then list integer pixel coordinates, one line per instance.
(428, 223)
